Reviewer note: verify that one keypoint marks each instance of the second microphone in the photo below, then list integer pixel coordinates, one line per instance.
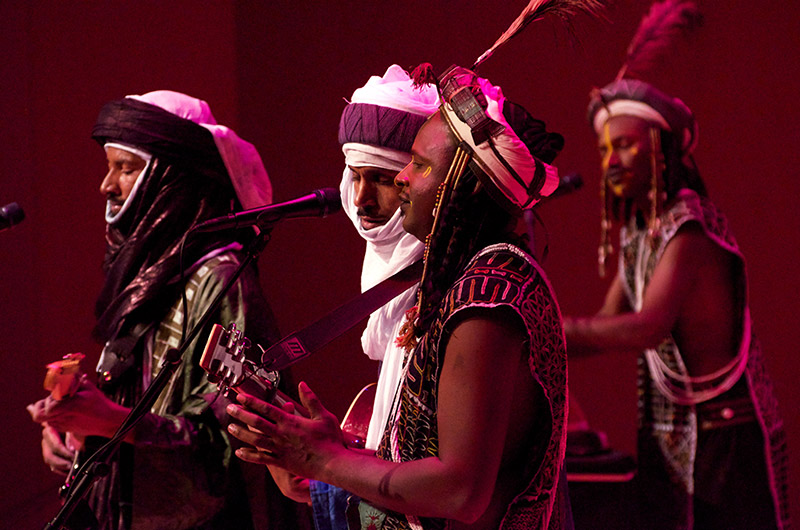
(318, 203)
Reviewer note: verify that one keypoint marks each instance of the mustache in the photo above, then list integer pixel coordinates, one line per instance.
(367, 212)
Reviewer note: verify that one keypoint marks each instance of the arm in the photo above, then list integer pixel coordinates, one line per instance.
(190, 425)
(671, 285)
(473, 419)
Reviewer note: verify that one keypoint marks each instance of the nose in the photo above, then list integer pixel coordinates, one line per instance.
(611, 159)
(365, 193)
(110, 184)
(401, 180)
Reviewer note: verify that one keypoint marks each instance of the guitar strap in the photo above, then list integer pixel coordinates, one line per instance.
(311, 338)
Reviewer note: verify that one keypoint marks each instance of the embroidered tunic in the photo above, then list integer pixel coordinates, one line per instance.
(501, 275)
(181, 473)
(678, 413)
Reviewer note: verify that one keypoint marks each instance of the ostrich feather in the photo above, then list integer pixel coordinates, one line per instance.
(657, 31)
(536, 10)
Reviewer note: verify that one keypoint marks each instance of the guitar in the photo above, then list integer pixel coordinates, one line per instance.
(62, 380)
(226, 362)
(63, 376)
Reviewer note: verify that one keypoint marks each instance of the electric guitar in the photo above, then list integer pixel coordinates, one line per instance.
(226, 362)
(63, 375)
(62, 380)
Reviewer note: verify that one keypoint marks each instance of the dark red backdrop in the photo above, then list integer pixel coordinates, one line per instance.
(277, 73)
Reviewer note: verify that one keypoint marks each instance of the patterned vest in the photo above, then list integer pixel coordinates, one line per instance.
(668, 397)
(501, 275)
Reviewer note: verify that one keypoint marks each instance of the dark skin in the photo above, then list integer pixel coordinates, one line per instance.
(375, 195)
(482, 425)
(692, 292)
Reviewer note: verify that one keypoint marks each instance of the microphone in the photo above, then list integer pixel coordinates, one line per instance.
(318, 203)
(567, 184)
(11, 214)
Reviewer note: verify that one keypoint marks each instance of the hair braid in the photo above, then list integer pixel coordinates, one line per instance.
(470, 221)
(679, 173)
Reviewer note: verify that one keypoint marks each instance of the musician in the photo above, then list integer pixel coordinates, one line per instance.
(477, 435)
(376, 131)
(170, 166)
(711, 451)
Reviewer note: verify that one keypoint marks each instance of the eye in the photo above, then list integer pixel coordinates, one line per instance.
(624, 143)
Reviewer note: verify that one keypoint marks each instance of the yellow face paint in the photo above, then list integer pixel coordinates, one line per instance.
(608, 147)
(622, 179)
(425, 173)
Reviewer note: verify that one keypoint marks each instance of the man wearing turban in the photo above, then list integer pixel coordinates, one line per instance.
(170, 166)
(477, 431)
(711, 444)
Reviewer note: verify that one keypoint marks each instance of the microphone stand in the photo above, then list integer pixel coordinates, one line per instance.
(96, 466)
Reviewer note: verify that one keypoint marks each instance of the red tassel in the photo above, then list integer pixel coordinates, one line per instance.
(407, 337)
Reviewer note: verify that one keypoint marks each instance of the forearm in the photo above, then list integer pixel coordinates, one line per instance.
(426, 487)
(599, 334)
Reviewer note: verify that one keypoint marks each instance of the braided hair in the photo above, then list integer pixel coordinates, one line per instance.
(470, 219)
(681, 171)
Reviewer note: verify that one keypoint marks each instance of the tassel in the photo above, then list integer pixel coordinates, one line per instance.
(423, 75)
(407, 337)
(656, 33)
(536, 10)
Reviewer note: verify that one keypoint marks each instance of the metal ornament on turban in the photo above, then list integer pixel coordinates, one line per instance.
(473, 108)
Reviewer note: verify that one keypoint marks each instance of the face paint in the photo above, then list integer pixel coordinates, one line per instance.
(608, 148)
(621, 149)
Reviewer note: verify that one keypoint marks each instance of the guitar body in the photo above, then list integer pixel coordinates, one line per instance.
(356, 420)
(63, 376)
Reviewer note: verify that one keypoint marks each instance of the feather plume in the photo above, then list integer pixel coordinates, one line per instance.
(665, 22)
(536, 10)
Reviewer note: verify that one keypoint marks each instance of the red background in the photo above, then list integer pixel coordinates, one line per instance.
(278, 73)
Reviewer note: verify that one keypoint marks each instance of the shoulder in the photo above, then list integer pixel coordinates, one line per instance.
(501, 275)
(504, 261)
(219, 266)
(699, 225)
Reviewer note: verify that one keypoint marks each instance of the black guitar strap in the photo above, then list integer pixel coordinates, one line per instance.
(311, 338)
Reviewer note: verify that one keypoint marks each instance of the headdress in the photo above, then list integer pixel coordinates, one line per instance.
(196, 171)
(176, 136)
(632, 97)
(511, 160)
